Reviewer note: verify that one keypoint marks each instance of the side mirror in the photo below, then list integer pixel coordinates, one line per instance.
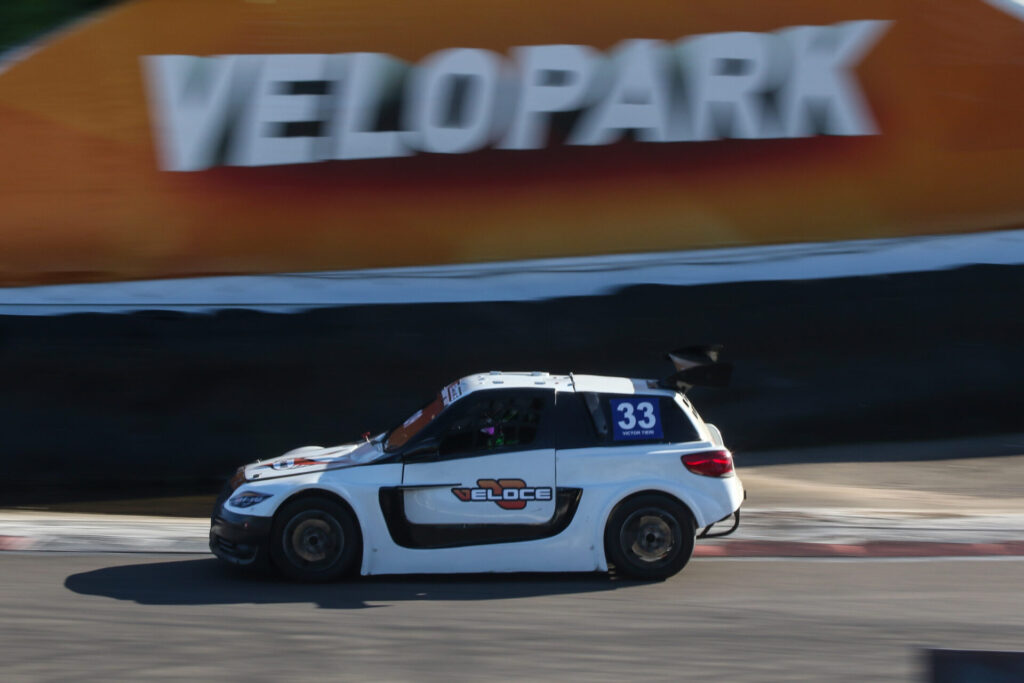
(423, 449)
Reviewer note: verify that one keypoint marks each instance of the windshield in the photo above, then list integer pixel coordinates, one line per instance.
(414, 425)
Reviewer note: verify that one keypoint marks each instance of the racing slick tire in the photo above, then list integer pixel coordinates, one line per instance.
(314, 539)
(649, 537)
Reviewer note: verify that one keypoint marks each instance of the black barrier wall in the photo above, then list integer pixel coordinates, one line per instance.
(119, 403)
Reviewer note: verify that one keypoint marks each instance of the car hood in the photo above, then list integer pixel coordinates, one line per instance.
(316, 459)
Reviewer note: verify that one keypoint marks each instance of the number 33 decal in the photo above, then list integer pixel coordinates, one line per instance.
(629, 419)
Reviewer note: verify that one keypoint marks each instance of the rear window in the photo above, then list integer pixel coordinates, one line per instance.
(590, 419)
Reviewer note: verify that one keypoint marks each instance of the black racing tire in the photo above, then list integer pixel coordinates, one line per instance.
(650, 537)
(314, 539)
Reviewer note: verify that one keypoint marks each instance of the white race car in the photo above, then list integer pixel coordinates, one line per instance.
(500, 472)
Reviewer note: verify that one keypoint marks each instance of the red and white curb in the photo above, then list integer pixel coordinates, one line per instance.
(43, 531)
(741, 548)
(15, 543)
(840, 533)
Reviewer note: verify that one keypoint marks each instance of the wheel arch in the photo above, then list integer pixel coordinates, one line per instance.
(647, 492)
(334, 497)
(669, 496)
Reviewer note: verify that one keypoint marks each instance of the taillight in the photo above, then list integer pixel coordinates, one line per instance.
(709, 463)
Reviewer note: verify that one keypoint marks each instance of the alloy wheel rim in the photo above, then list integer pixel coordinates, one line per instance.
(650, 536)
(314, 538)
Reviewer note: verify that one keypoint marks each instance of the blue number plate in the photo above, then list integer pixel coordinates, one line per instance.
(636, 419)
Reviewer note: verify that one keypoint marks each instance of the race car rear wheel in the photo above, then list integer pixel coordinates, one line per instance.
(649, 536)
(314, 539)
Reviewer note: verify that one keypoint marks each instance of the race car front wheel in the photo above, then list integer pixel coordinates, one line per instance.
(649, 536)
(314, 539)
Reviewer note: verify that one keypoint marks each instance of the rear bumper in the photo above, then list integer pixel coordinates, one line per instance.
(737, 496)
(708, 533)
(239, 539)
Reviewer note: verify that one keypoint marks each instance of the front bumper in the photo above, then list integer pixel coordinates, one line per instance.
(239, 539)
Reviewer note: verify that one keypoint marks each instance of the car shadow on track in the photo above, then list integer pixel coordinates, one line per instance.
(207, 582)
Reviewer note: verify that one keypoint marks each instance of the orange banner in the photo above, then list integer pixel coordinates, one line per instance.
(178, 138)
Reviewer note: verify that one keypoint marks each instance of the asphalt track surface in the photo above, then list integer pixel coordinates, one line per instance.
(152, 617)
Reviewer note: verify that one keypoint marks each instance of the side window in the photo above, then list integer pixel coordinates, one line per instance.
(644, 419)
(575, 424)
(678, 427)
(597, 415)
(492, 422)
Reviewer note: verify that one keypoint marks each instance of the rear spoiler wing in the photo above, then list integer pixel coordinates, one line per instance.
(697, 366)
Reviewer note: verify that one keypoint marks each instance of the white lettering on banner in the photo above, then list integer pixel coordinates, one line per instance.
(555, 78)
(820, 78)
(451, 101)
(270, 105)
(192, 100)
(727, 74)
(368, 79)
(637, 100)
(254, 110)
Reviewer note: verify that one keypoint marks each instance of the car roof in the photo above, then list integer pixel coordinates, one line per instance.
(542, 380)
(514, 380)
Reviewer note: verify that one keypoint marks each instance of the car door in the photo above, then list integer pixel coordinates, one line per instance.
(494, 463)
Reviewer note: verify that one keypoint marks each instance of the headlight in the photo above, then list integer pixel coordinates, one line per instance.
(248, 499)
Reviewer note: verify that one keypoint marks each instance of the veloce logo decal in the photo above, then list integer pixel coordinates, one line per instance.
(509, 494)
